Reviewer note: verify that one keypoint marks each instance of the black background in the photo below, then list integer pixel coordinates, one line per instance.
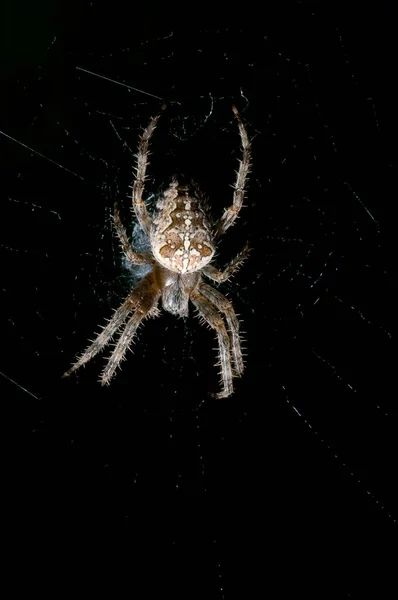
(291, 483)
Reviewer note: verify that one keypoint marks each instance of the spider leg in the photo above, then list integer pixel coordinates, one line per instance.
(139, 182)
(232, 212)
(125, 339)
(220, 276)
(146, 288)
(210, 315)
(226, 308)
(132, 257)
(103, 338)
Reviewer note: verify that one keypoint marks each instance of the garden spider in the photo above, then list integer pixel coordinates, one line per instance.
(183, 242)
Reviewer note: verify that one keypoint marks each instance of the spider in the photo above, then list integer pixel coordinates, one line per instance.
(183, 242)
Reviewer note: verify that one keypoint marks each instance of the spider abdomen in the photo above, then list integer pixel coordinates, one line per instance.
(181, 234)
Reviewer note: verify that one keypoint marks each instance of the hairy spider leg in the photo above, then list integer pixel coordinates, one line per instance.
(230, 214)
(125, 339)
(132, 257)
(210, 315)
(220, 276)
(142, 299)
(225, 307)
(139, 182)
(103, 338)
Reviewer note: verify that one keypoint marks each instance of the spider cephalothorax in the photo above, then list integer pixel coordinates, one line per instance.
(183, 243)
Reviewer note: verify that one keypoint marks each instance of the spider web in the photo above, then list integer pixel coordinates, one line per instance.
(308, 436)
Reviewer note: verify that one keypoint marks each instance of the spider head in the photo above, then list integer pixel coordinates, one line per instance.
(176, 290)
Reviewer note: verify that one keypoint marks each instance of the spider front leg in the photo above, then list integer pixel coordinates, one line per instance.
(225, 307)
(104, 337)
(132, 257)
(142, 299)
(125, 339)
(210, 315)
(221, 276)
(232, 212)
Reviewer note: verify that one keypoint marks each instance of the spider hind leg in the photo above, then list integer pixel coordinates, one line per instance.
(231, 213)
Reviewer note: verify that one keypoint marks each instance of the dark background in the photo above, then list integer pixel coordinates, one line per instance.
(290, 484)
